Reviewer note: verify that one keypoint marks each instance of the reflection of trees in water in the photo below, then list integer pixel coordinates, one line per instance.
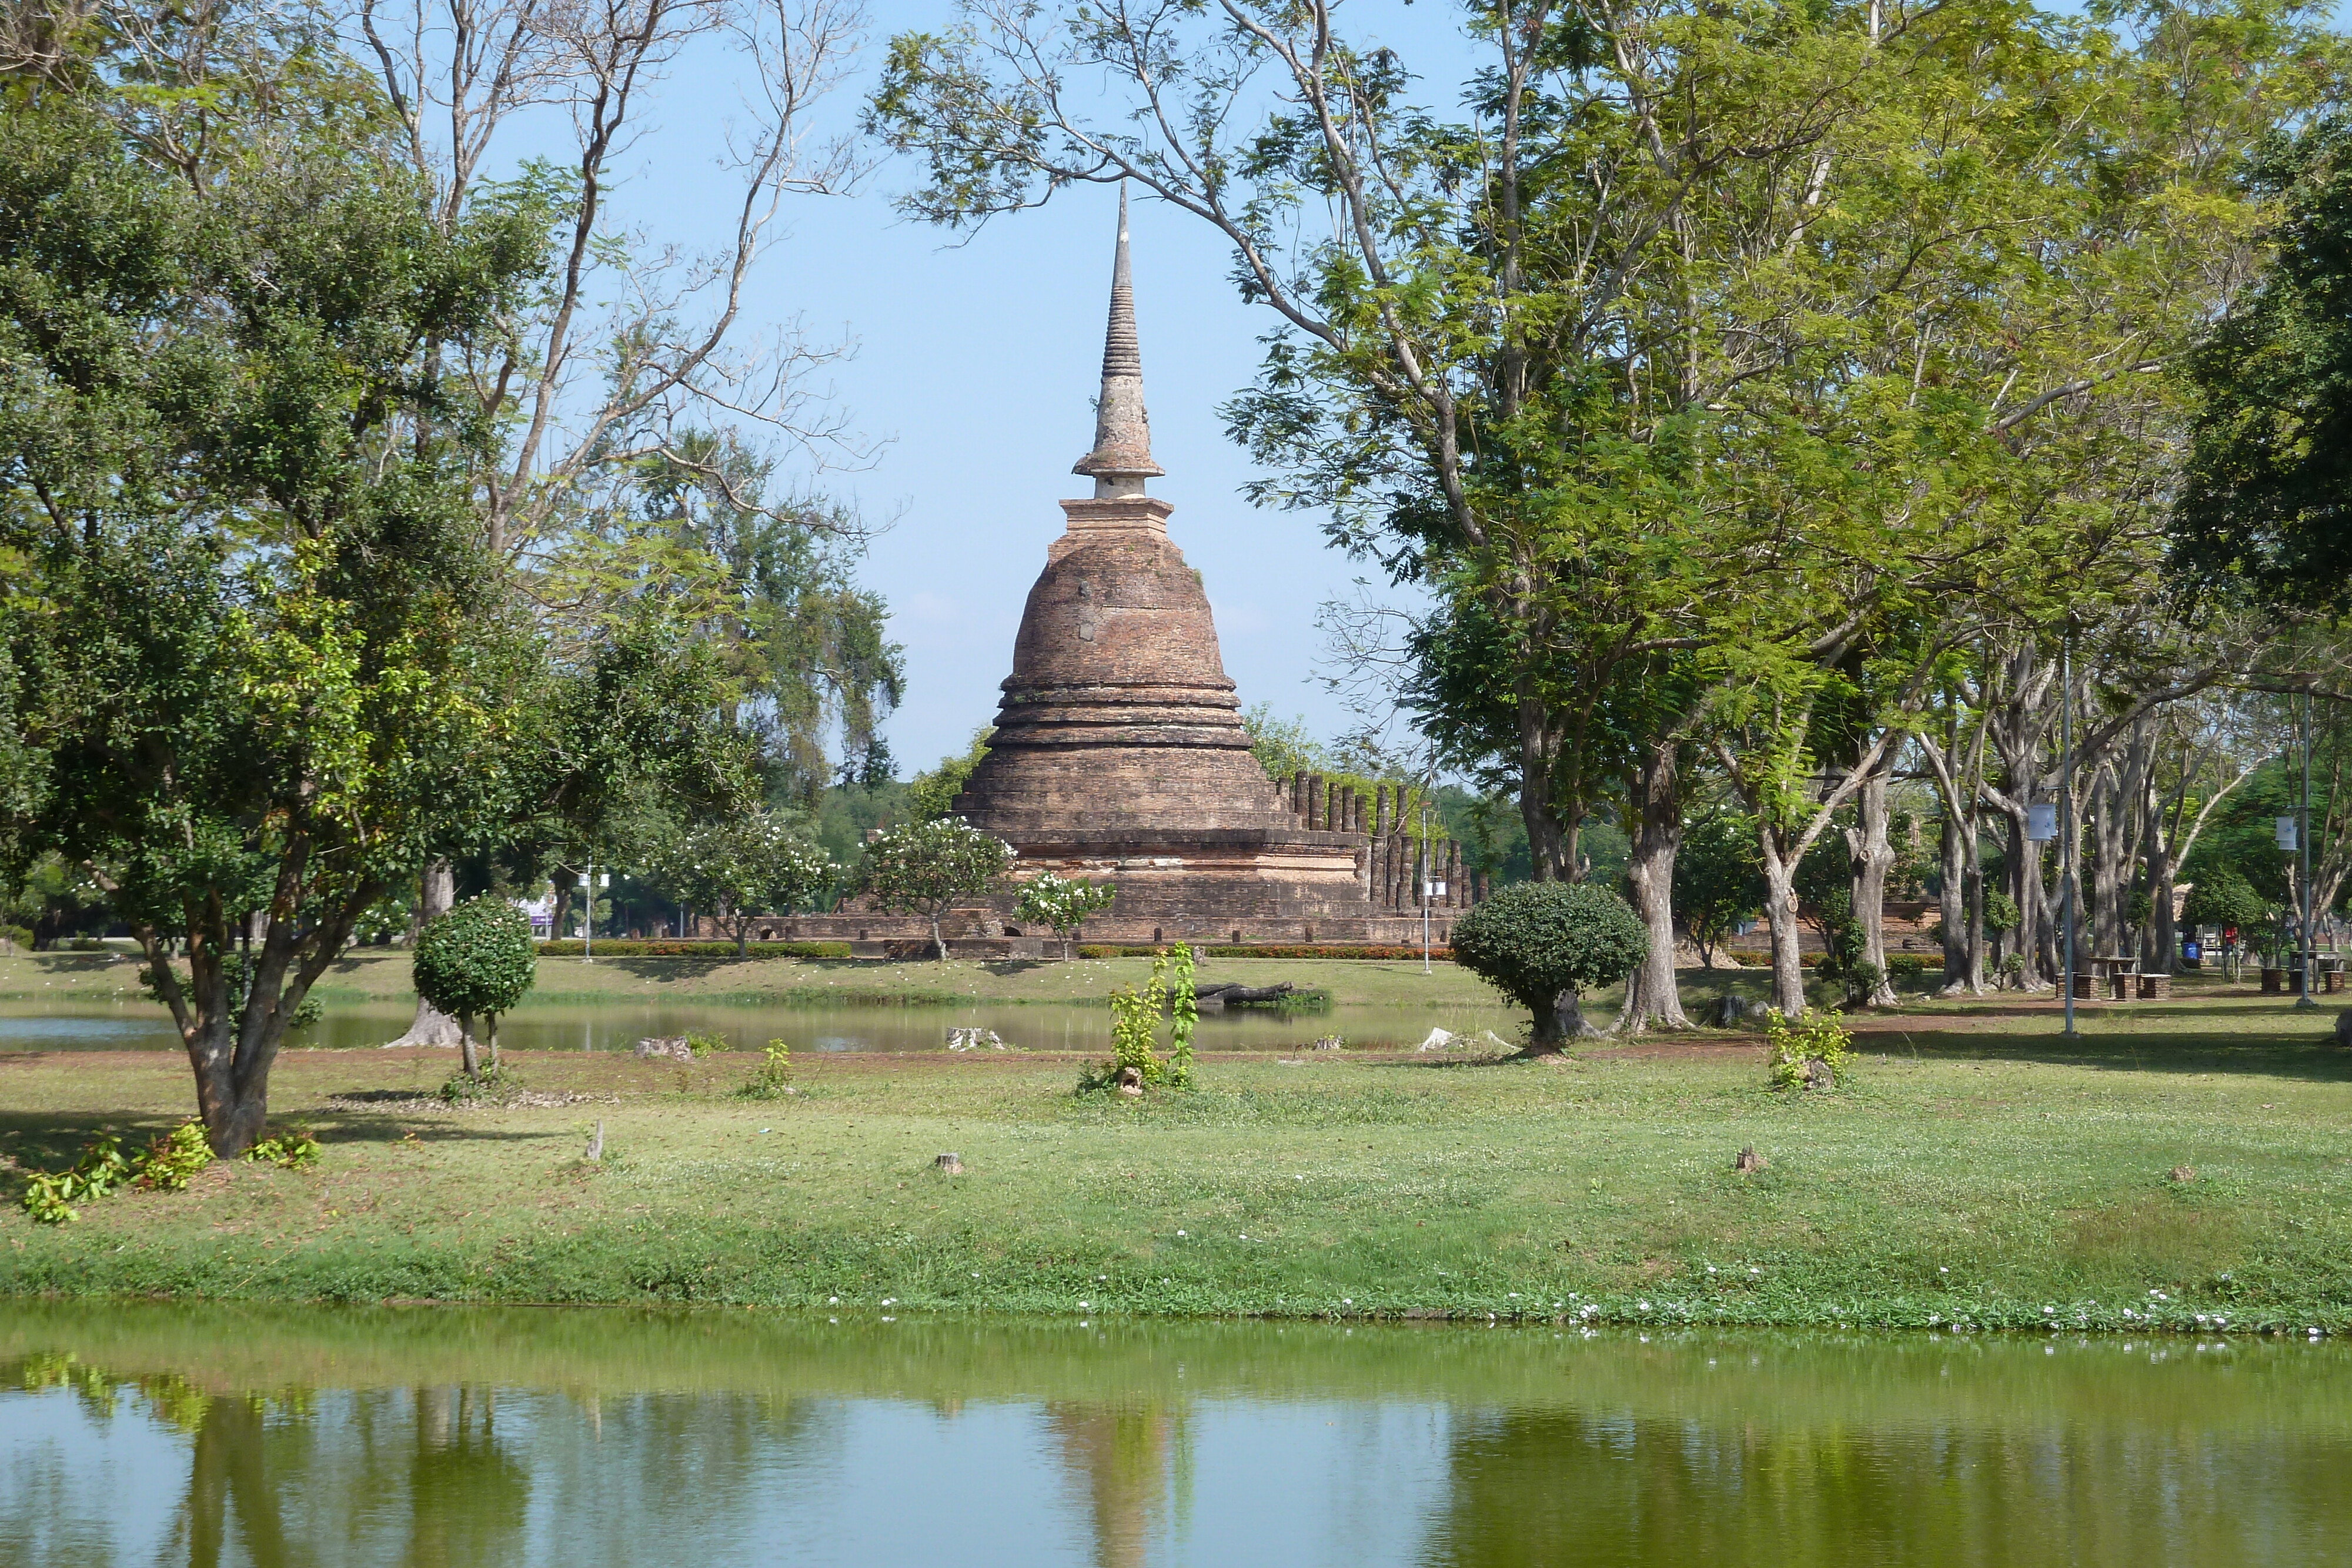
(1128, 1458)
(1558, 1487)
(467, 1496)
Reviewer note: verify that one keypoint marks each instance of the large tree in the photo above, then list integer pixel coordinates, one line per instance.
(260, 664)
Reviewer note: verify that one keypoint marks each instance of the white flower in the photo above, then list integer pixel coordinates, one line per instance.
(1643, 1306)
(1082, 1306)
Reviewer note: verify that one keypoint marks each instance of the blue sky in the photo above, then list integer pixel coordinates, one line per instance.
(977, 361)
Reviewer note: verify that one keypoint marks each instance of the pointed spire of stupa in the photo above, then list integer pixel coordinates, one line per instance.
(1121, 460)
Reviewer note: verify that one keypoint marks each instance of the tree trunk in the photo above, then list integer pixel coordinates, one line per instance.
(1952, 903)
(938, 943)
(469, 1053)
(2109, 870)
(432, 1026)
(1652, 999)
(1781, 917)
(493, 1023)
(1871, 852)
(1557, 1025)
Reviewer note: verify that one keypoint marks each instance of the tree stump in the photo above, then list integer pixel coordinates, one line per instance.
(2184, 1174)
(1130, 1082)
(2343, 1028)
(950, 1165)
(1818, 1074)
(1748, 1162)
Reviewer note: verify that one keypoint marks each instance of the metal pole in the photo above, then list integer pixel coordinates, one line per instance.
(2302, 842)
(2067, 818)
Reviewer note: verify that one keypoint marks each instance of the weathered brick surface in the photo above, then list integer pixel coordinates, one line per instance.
(1119, 754)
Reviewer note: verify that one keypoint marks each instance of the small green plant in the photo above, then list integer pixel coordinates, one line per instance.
(491, 1085)
(702, 1045)
(289, 1150)
(1797, 1044)
(1862, 981)
(773, 1080)
(166, 1164)
(1136, 1062)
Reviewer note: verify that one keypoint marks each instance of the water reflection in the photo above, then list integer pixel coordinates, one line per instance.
(431, 1438)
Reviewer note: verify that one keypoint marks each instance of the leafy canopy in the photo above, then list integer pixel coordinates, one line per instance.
(479, 959)
(1538, 941)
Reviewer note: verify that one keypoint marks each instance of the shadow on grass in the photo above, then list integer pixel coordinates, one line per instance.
(53, 1142)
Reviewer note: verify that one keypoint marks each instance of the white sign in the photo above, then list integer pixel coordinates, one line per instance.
(1433, 889)
(2042, 824)
(2287, 840)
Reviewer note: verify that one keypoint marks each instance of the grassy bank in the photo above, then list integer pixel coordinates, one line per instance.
(1978, 1170)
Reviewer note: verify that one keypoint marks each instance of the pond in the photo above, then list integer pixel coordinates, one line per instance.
(619, 1025)
(157, 1433)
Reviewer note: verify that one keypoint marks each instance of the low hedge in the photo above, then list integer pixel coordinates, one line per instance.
(1228, 950)
(677, 947)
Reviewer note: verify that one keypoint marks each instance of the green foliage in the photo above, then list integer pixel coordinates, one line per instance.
(1284, 747)
(476, 959)
(291, 1150)
(774, 1077)
(2223, 898)
(2000, 911)
(173, 1159)
(165, 1164)
(2264, 510)
(1062, 903)
(736, 871)
(701, 1042)
(932, 795)
(1718, 882)
(1811, 1037)
(1536, 941)
(924, 867)
(1135, 1028)
(496, 1084)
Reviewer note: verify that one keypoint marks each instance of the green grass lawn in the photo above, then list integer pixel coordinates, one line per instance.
(1979, 1168)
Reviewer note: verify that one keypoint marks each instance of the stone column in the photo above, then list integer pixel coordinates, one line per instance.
(1454, 899)
(1380, 810)
(1299, 796)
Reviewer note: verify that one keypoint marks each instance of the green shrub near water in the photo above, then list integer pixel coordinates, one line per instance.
(478, 958)
(1538, 943)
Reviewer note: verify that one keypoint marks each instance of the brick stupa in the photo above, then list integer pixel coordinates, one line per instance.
(1119, 754)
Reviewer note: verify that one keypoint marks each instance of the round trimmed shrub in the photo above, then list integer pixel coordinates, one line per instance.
(1539, 942)
(478, 958)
